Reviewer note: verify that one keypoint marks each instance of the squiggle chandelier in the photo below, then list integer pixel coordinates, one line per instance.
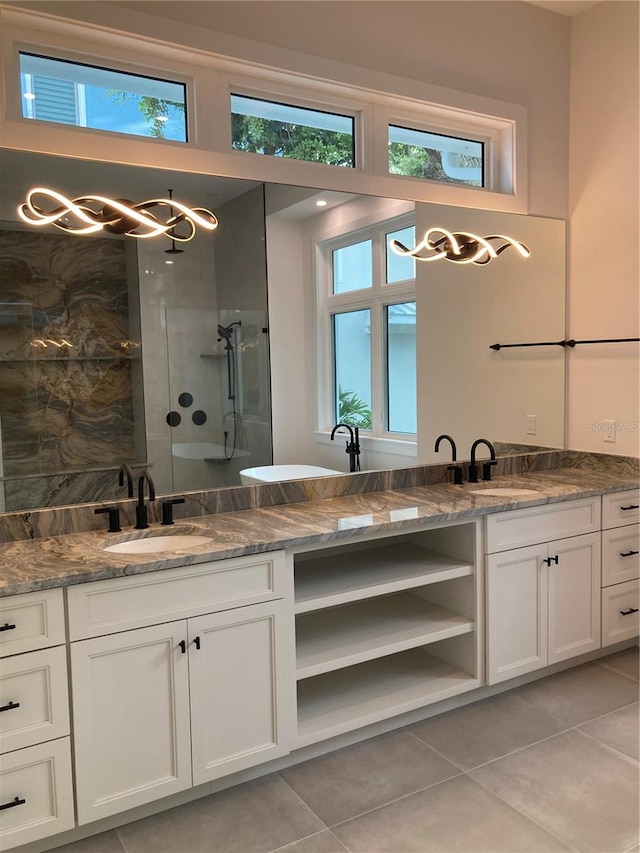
(460, 247)
(94, 213)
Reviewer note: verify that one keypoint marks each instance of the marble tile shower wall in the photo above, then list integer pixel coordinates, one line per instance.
(58, 521)
(67, 365)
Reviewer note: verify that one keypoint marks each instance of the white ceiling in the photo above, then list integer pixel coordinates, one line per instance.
(566, 7)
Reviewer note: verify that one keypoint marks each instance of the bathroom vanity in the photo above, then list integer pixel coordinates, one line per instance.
(134, 678)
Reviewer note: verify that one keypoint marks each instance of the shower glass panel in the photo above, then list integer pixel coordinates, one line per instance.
(219, 395)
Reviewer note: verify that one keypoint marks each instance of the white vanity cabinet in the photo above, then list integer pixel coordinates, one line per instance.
(543, 599)
(36, 793)
(162, 703)
(384, 627)
(620, 566)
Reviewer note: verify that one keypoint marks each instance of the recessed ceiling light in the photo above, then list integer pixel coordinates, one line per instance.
(321, 203)
(168, 262)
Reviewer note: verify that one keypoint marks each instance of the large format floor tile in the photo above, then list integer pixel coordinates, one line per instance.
(626, 662)
(620, 729)
(321, 842)
(486, 730)
(457, 816)
(581, 694)
(351, 781)
(106, 842)
(573, 786)
(256, 817)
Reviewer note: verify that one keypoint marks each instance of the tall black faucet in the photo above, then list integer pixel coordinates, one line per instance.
(486, 466)
(353, 446)
(141, 509)
(125, 471)
(457, 469)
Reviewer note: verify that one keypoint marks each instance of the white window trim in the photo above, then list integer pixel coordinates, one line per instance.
(14, 106)
(375, 299)
(210, 76)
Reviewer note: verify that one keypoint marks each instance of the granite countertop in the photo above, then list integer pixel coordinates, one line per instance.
(56, 561)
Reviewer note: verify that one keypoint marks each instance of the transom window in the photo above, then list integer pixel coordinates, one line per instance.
(73, 93)
(282, 130)
(369, 317)
(435, 156)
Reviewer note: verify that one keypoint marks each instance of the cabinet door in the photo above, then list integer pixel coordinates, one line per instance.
(131, 719)
(242, 688)
(574, 596)
(516, 612)
(36, 793)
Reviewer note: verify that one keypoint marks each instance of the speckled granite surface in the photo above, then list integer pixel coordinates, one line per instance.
(61, 560)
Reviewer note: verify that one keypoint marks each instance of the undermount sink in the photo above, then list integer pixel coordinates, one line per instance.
(158, 544)
(504, 492)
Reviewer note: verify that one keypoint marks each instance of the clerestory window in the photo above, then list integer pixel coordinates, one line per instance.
(74, 93)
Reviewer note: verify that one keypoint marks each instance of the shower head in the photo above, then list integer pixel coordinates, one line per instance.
(226, 332)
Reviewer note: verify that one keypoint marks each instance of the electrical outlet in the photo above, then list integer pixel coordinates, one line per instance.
(531, 424)
(609, 431)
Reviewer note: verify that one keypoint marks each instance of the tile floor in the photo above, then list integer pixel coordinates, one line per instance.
(552, 766)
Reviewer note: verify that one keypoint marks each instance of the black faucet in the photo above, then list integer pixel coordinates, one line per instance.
(125, 471)
(457, 469)
(486, 466)
(353, 446)
(141, 509)
(114, 517)
(167, 509)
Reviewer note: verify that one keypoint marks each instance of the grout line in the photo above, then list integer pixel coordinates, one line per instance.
(304, 802)
(397, 800)
(608, 746)
(305, 838)
(526, 816)
(441, 754)
(122, 844)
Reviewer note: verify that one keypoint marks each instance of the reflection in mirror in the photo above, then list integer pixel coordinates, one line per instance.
(114, 350)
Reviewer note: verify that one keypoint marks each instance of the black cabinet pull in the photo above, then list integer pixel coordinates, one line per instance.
(629, 553)
(550, 560)
(183, 646)
(10, 706)
(631, 506)
(7, 627)
(629, 611)
(196, 642)
(12, 804)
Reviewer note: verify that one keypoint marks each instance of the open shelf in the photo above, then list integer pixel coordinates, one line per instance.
(336, 579)
(331, 639)
(350, 698)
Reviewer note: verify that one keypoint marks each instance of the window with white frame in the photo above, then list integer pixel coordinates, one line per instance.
(368, 320)
(83, 95)
(260, 126)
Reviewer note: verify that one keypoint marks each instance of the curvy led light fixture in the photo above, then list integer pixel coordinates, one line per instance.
(91, 214)
(459, 246)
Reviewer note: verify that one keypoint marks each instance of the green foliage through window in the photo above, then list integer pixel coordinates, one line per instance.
(352, 410)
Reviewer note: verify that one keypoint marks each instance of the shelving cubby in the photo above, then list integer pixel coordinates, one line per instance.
(384, 626)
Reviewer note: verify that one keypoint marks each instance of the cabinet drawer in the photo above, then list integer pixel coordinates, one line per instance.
(620, 508)
(31, 621)
(620, 554)
(34, 704)
(520, 527)
(105, 607)
(38, 780)
(620, 612)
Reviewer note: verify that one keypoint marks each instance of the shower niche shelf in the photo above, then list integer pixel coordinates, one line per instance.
(384, 627)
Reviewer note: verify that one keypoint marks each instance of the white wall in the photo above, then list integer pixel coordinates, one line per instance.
(603, 380)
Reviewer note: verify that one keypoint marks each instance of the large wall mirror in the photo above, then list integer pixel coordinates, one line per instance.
(202, 362)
